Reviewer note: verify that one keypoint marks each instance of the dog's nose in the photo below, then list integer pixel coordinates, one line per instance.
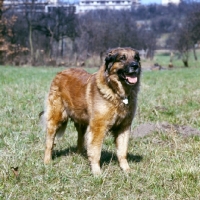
(134, 65)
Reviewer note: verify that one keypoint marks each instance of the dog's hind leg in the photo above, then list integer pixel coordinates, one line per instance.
(53, 129)
(81, 129)
(56, 121)
(60, 131)
(50, 137)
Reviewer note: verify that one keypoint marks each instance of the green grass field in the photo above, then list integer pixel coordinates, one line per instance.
(163, 58)
(163, 165)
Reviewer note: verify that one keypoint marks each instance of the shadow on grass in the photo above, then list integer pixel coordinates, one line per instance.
(64, 152)
(106, 156)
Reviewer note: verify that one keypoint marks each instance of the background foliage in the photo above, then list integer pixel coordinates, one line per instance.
(65, 38)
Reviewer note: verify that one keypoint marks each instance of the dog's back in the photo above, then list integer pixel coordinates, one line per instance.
(67, 92)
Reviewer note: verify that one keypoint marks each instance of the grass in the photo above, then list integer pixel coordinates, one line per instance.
(164, 165)
(163, 58)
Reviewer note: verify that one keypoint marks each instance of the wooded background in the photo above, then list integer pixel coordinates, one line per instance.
(64, 38)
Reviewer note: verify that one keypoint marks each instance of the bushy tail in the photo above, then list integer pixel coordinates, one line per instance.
(41, 113)
(60, 131)
(42, 119)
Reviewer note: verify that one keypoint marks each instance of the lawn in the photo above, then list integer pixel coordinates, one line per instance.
(163, 58)
(164, 165)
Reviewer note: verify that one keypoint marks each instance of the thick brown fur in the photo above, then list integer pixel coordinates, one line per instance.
(95, 102)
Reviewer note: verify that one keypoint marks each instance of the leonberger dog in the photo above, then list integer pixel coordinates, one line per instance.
(97, 104)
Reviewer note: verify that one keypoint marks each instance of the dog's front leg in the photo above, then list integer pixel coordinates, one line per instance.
(94, 139)
(121, 141)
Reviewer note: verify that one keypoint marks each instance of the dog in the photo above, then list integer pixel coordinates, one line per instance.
(97, 104)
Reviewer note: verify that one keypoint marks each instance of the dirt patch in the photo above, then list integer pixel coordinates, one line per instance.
(149, 128)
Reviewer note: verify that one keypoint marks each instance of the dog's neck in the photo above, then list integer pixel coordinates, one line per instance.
(111, 87)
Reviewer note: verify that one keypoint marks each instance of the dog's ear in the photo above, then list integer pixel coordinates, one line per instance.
(137, 56)
(109, 60)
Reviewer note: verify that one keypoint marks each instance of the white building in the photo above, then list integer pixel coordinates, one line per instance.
(53, 1)
(166, 2)
(9, 2)
(82, 7)
(87, 5)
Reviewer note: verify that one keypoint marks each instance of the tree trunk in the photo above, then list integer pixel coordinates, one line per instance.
(62, 47)
(1, 37)
(51, 46)
(1, 8)
(194, 52)
(31, 44)
(185, 62)
(171, 56)
(185, 58)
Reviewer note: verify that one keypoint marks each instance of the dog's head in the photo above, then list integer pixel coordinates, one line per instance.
(124, 62)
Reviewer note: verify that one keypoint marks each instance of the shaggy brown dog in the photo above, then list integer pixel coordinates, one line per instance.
(97, 103)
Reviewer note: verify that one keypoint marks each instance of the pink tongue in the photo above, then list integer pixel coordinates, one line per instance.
(131, 79)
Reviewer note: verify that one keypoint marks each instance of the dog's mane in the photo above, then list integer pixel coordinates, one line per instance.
(102, 84)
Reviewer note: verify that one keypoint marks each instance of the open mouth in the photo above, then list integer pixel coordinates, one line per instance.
(131, 78)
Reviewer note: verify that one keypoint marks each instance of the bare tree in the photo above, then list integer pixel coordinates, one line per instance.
(9, 49)
(147, 40)
(57, 25)
(104, 29)
(31, 18)
(193, 23)
(183, 44)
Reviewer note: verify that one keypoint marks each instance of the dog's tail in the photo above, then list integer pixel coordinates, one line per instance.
(59, 132)
(41, 113)
(42, 118)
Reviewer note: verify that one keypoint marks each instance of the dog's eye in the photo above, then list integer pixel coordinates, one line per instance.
(123, 57)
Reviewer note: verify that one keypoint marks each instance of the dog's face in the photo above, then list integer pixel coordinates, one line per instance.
(125, 63)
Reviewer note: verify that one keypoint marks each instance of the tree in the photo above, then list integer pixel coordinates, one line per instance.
(56, 26)
(104, 29)
(183, 44)
(9, 50)
(193, 23)
(147, 40)
(3, 45)
(31, 17)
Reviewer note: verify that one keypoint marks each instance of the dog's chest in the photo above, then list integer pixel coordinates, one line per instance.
(123, 113)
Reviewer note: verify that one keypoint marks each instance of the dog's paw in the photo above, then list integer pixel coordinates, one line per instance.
(96, 171)
(47, 160)
(124, 166)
